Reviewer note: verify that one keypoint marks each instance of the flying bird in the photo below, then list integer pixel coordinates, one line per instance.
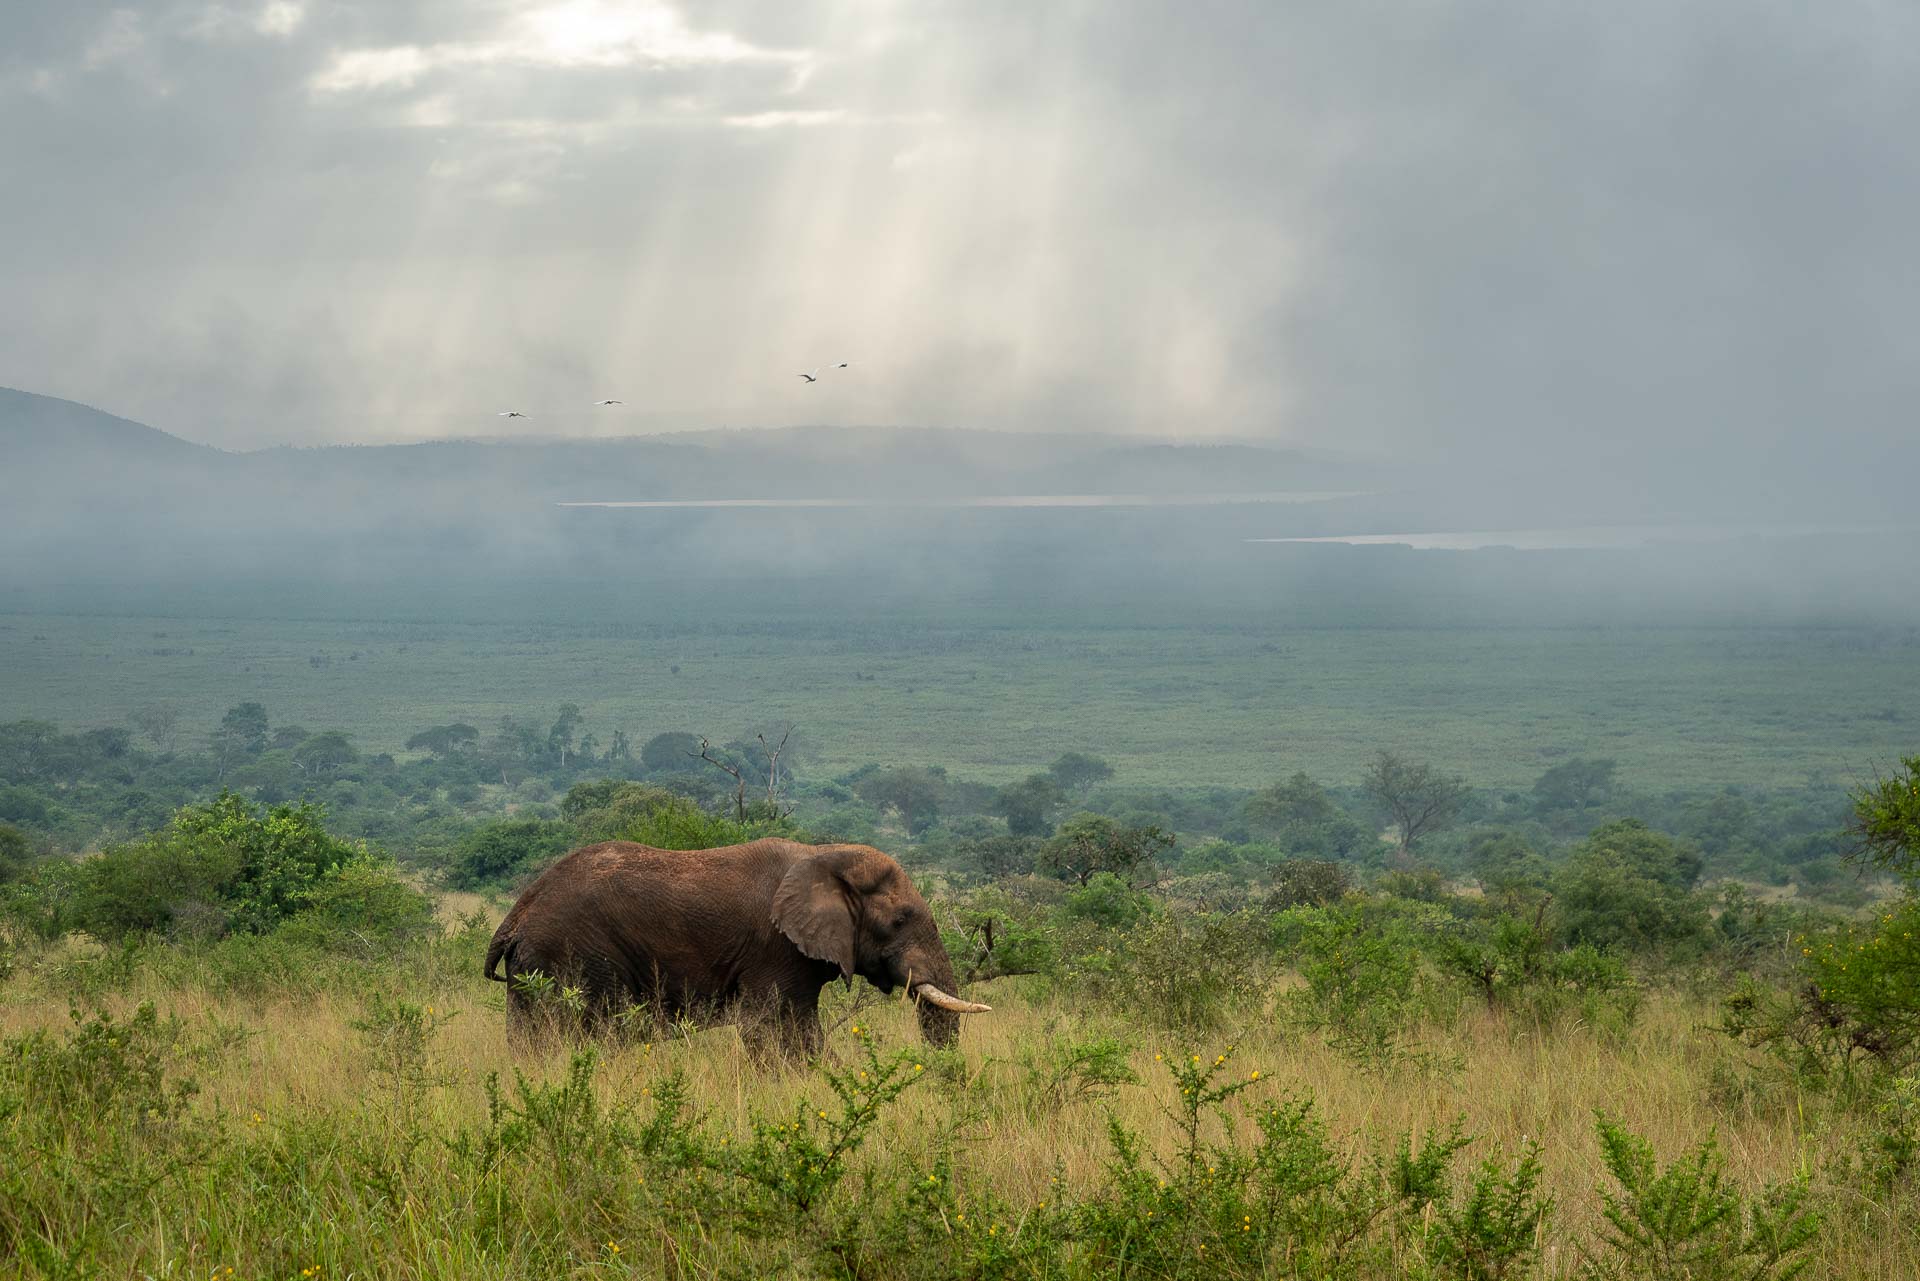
(611, 402)
(510, 413)
(841, 365)
(812, 378)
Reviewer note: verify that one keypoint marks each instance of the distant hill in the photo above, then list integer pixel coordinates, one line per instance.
(47, 431)
(77, 453)
(91, 491)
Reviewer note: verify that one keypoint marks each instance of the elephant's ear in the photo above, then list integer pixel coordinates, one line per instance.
(816, 909)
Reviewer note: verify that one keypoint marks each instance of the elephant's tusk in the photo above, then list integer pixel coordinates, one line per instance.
(934, 996)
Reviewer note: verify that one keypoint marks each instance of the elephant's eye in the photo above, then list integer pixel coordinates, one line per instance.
(901, 918)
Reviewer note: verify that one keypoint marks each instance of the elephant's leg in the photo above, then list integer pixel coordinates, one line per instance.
(781, 1026)
(525, 1028)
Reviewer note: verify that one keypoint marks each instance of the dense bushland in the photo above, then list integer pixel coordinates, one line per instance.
(279, 1062)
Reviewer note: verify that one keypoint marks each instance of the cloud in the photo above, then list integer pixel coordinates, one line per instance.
(786, 119)
(1472, 233)
(576, 34)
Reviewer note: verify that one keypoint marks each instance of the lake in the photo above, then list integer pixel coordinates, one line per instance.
(999, 500)
(1584, 536)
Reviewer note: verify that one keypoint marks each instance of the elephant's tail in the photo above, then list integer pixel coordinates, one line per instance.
(497, 951)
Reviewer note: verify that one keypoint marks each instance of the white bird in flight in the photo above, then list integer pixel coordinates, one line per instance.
(611, 402)
(510, 413)
(812, 378)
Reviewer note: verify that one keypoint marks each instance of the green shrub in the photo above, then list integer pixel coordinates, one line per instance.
(1628, 886)
(1107, 900)
(1892, 1149)
(1685, 1221)
(1178, 974)
(496, 854)
(16, 853)
(1493, 1230)
(1511, 964)
(1363, 988)
(1307, 882)
(1856, 1000)
(1286, 1204)
(219, 867)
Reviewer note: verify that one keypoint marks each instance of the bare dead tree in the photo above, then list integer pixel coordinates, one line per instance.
(160, 723)
(773, 772)
(739, 780)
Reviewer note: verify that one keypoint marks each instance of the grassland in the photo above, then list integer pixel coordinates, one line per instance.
(316, 1156)
(1167, 701)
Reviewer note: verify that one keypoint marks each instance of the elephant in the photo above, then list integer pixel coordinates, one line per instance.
(746, 933)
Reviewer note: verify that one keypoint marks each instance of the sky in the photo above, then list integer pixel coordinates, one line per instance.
(1466, 230)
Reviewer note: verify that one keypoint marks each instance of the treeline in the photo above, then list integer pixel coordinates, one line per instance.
(73, 790)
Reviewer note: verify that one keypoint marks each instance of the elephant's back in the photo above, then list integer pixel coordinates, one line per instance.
(612, 875)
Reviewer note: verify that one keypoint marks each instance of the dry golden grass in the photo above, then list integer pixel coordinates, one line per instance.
(1670, 1078)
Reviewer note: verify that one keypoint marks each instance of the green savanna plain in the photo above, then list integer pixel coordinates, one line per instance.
(1170, 701)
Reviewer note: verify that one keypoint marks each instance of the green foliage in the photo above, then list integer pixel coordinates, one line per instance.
(1416, 796)
(1576, 785)
(1892, 1148)
(670, 751)
(1088, 844)
(1686, 1221)
(676, 823)
(1027, 804)
(363, 904)
(1509, 867)
(1493, 1230)
(1075, 772)
(1074, 1071)
(1512, 964)
(1857, 1000)
(445, 740)
(496, 854)
(1886, 821)
(1306, 882)
(1174, 973)
(89, 1122)
(798, 1163)
(1288, 1203)
(913, 791)
(1305, 821)
(16, 853)
(1106, 900)
(1362, 977)
(398, 1036)
(1629, 886)
(216, 867)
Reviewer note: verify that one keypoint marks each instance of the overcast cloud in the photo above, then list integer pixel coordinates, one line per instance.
(1478, 229)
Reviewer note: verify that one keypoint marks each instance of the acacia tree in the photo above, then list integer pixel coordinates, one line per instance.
(444, 740)
(1419, 798)
(1077, 771)
(324, 753)
(1027, 803)
(1089, 844)
(913, 790)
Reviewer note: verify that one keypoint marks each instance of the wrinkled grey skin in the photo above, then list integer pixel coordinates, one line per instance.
(746, 933)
